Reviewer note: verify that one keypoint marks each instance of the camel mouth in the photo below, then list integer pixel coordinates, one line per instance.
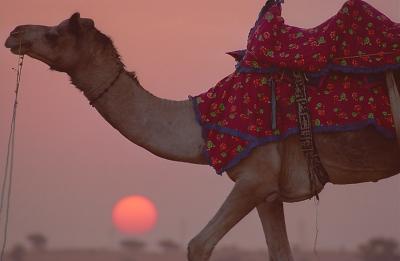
(17, 46)
(35, 56)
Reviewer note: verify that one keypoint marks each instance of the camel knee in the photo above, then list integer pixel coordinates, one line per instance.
(198, 250)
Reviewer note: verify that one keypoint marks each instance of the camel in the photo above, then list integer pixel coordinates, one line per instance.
(271, 175)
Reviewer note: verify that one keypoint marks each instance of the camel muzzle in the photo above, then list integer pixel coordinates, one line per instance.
(21, 39)
(16, 44)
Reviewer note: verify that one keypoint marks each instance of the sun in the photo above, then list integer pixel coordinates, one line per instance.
(134, 215)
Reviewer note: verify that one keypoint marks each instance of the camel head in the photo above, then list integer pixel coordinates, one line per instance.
(65, 47)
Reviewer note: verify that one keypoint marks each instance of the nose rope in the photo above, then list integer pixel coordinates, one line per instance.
(8, 172)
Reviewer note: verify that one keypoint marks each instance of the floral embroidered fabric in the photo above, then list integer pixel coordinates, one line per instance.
(359, 38)
(256, 104)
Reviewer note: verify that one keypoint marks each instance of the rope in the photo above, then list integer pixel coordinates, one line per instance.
(316, 228)
(8, 172)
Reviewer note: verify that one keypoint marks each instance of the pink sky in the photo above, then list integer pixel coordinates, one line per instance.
(71, 166)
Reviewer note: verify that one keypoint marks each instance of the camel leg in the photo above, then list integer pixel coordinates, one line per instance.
(242, 199)
(273, 222)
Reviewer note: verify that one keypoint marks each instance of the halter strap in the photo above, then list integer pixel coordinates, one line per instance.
(94, 100)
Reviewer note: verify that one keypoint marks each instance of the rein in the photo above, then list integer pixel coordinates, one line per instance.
(95, 99)
(8, 171)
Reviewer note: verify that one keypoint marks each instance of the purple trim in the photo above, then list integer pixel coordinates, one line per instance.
(294, 131)
(324, 71)
(203, 130)
(357, 126)
(244, 69)
(320, 129)
(229, 131)
(253, 145)
(350, 69)
(255, 142)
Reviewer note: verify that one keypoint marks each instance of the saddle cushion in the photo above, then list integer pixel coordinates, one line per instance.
(357, 39)
(256, 104)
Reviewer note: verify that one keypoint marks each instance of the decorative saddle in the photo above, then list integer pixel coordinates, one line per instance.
(334, 73)
(358, 39)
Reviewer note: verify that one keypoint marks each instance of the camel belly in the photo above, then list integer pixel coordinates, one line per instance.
(349, 157)
(358, 156)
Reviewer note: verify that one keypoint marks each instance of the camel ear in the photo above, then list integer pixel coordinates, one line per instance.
(74, 25)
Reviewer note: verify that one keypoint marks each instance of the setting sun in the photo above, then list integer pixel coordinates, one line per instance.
(134, 215)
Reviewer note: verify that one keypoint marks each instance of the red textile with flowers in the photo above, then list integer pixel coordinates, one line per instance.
(345, 59)
(358, 36)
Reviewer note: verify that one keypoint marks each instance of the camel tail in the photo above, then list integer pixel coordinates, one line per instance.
(394, 96)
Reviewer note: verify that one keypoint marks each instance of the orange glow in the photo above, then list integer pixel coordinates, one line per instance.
(134, 215)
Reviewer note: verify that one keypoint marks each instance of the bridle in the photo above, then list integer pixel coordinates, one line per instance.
(95, 99)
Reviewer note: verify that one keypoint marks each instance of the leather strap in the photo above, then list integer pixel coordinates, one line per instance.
(315, 168)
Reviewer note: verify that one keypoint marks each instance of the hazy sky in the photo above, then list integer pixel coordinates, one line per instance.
(71, 166)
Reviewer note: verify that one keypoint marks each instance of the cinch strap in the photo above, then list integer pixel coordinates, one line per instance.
(315, 168)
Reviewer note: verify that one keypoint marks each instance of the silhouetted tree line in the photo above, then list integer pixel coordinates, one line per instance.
(38, 243)
(376, 249)
(132, 246)
(380, 249)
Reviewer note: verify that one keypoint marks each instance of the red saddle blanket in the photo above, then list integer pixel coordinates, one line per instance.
(345, 60)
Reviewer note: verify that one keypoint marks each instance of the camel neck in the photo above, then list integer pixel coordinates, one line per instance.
(166, 128)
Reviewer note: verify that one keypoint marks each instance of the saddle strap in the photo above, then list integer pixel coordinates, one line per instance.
(393, 91)
(315, 168)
